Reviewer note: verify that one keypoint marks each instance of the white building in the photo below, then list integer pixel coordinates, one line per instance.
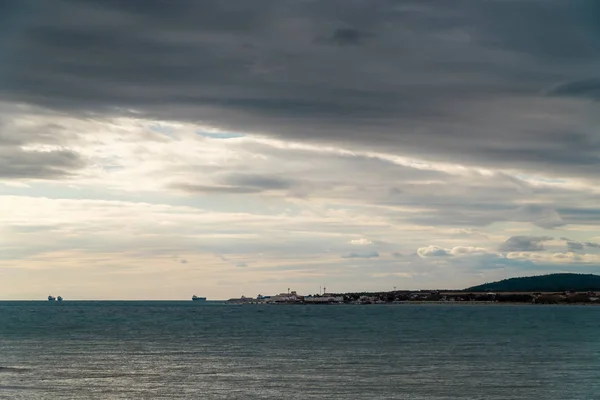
(325, 299)
(291, 297)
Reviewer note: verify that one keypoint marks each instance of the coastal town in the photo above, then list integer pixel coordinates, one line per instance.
(423, 296)
(557, 288)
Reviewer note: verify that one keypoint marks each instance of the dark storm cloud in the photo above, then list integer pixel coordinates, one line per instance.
(524, 243)
(346, 37)
(584, 88)
(500, 83)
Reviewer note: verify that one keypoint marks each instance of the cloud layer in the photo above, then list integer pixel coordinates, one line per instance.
(438, 80)
(227, 146)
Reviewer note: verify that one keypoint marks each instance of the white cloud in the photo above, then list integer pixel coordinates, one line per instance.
(432, 251)
(468, 250)
(360, 242)
(458, 251)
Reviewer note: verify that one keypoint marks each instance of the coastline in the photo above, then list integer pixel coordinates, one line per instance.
(426, 297)
(412, 303)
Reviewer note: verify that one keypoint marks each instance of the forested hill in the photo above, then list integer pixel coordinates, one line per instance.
(543, 283)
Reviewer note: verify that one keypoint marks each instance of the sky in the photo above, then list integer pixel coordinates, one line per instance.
(158, 149)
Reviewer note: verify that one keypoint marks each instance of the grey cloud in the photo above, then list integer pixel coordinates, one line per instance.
(238, 183)
(12, 135)
(457, 201)
(474, 200)
(241, 265)
(468, 233)
(539, 37)
(581, 215)
(183, 261)
(524, 243)
(460, 202)
(453, 211)
(346, 37)
(543, 216)
(16, 163)
(369, 254)
(192, 188)
(587, 88)
(572, 244)
(440, 80)
(33, 151)
(262, 182)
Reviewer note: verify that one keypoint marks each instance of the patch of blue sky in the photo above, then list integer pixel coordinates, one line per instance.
(220, 135)
(162, 129)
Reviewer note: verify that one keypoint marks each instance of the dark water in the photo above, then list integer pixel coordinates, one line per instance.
(152, 350)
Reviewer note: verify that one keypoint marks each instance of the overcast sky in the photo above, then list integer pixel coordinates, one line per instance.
(162, 148)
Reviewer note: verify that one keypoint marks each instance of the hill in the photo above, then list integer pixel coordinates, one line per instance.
(543, 283)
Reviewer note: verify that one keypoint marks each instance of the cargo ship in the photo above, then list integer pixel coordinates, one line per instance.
(196, 298)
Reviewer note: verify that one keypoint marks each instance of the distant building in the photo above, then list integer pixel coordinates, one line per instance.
(291, 297)
(324, 299)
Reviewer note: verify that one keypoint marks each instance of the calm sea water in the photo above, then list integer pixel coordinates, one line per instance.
(154, 350)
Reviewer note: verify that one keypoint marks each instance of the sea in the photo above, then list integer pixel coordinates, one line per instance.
(192, 350)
